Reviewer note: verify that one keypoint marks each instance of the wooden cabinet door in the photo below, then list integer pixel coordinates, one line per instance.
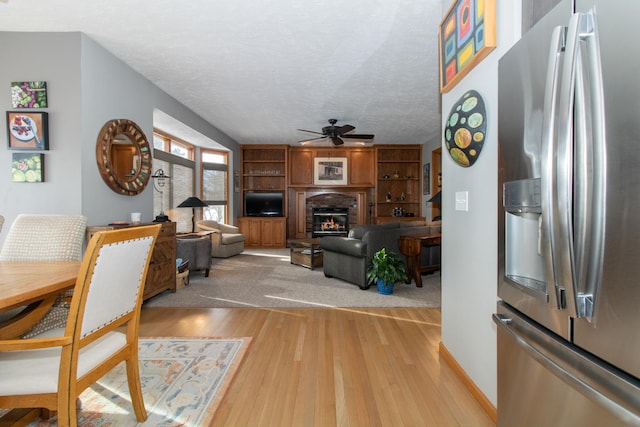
(250, 227)
(272, 231)
(301, 166)
(255, 232)
(361, 167)
(278, 232)
(266, 230)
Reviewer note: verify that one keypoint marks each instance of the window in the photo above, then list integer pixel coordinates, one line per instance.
(215, 178)
(179, 165)
(170, 144)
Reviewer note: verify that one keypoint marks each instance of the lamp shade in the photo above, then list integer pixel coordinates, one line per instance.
(437, 198)
(192, 202)
(160, 174)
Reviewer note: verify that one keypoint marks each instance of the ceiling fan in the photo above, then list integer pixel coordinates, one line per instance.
(337, 134)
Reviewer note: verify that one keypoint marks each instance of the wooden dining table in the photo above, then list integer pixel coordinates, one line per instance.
(34, 285)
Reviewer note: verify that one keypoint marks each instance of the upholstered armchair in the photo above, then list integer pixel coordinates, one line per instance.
(226, 240)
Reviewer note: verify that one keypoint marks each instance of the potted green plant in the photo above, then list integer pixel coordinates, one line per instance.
(386, 269)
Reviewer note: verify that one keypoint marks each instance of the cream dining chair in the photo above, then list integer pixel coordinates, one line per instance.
(52, 369)
(34, 237)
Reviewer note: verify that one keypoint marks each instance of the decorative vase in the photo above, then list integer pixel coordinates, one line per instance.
(384, 289)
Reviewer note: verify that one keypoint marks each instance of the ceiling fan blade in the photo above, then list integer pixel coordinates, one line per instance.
(311, 131)
(358, 136)
(304, 141)
(341, 130)
(336, 140)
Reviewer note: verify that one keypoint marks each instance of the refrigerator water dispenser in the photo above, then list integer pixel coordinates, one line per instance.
(524, 261)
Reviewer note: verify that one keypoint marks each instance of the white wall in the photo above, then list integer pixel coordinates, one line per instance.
(469, 238)
(86, 87)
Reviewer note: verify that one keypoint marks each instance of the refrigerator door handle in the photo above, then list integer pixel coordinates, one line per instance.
(590, 169)
(581, 179)
(617, 392)
(563, 248)
(548, 167)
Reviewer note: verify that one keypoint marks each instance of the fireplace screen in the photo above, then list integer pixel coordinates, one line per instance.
(330, 222)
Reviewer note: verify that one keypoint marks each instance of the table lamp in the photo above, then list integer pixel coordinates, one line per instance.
(193, 203)
(159, 181)
(437, 198)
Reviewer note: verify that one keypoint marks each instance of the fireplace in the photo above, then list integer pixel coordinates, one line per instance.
(328, 221)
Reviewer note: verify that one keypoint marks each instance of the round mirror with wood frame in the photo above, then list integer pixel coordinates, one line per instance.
(124, 156)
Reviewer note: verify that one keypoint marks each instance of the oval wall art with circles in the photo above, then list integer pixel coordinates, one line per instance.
(466, 129)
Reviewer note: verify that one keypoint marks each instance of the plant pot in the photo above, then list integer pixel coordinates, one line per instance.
(384, 289)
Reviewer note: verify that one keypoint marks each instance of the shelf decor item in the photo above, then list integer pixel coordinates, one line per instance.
(467, 35)
(27, 130)
(330, 171)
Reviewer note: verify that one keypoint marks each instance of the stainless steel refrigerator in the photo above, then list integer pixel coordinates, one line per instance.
(568, 311)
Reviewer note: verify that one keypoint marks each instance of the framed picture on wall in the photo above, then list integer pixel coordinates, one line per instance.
(29, 94)
(27, 167)
(467, 35)
(236, 181)
(27, 130)
(426, 179)
(330, 171)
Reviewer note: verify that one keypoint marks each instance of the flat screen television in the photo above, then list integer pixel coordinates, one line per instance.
(258, 203)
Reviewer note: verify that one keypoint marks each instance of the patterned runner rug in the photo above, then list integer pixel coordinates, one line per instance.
(183, 382)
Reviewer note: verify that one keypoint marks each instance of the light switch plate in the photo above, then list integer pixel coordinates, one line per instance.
(462, 200)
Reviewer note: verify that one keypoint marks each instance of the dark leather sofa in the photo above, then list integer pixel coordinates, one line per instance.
(347, 258)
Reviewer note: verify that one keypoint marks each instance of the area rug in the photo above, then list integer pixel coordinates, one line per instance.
(183, 382)
(266, 278)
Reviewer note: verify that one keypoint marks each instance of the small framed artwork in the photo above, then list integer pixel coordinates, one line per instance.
(27, 167)
(27, 130)
(467, 35)
(330, 171)
(236, 181)
(426, 178)
(29, 94)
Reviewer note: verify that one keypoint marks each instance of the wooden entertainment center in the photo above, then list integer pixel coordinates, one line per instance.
(384, 182)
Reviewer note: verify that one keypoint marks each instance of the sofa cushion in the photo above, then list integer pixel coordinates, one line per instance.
(228, 239)
(359, 231)
(416, 223)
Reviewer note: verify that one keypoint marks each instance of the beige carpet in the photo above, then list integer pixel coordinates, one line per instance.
(266, 278)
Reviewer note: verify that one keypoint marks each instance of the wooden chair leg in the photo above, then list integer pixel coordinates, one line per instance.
(135, 389)
(66, 410)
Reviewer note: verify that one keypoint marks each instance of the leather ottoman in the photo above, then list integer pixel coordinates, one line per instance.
(195, 249)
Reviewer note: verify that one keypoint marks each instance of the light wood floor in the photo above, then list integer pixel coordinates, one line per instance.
(331, 367)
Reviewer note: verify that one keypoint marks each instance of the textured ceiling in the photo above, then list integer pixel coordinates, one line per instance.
(259, 70)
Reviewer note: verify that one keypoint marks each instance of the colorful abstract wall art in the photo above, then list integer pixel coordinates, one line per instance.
(466, 129)
(467, 35)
